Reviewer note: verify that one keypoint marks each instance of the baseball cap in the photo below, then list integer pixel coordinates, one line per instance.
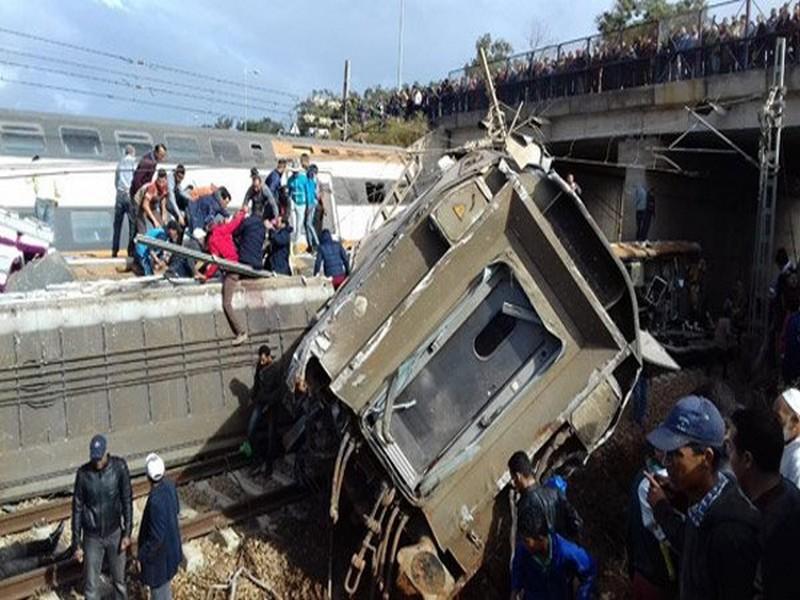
(791, 397)
(154, 466)
(693, 420)
(97, 447)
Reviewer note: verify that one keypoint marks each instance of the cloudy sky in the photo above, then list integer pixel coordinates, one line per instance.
(293, 46)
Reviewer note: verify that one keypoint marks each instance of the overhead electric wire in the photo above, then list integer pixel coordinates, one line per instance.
(132, 61)
(110, 96)
(135, 76)
(138, 87)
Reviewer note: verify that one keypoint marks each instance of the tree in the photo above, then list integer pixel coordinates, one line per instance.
(538, 35)
(224, 122)
(265, 125)
(496, 51)
(625, 13)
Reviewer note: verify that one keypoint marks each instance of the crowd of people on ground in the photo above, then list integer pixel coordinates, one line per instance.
(275, 212)
(637, 56)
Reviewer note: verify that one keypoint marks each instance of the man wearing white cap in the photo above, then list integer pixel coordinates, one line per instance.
(159, 536)
(788, 408)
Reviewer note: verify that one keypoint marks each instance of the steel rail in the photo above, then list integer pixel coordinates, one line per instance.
(58, 510)
(69, 571)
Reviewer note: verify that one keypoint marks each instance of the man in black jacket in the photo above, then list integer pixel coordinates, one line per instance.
(561, 516)
(720, 548)
(265, 394)
(102, 517)
(755, 443)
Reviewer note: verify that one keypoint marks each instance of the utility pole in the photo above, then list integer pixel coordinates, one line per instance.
(769, 147)
(400, 47)
(345, 93)
(246, 73)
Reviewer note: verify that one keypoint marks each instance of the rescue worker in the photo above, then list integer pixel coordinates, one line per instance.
(151, 203)
(102, 518)
(546, 565)
(178, 199)
(202, 211)
(280, 242)
(262, 203)
(332, 257)
(275, 177)
(250, 237)
(160, 552)
(147, 167)
(151, 258)
(221, 244)
(559, 513)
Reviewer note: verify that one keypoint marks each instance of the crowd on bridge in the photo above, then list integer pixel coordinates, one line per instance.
(260, 236)
(634, 57)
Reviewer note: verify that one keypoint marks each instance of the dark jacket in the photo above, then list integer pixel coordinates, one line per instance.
(780, 531)
(273, 182)
(159, 535)
(559, 513)
(262, 203)
(203, 210)
(250, 238)
(267, 384)
(332, 255)
(102, 501)
(719, 558)
(280, 241)
(144, 172)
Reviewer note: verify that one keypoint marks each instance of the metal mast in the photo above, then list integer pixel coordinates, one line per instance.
(769, 146)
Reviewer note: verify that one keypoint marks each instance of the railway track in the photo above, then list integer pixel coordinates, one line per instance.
(68, 571)
(58, 510)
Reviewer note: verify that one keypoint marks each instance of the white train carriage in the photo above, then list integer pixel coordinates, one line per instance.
(72, 161)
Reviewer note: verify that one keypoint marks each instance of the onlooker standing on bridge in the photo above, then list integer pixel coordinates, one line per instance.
(159, 534)
(147, 168)
(123, 207)
(102, 518)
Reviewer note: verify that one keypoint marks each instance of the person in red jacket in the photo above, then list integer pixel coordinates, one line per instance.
(221, 244)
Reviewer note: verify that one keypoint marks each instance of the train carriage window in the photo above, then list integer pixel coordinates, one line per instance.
(22, 139)
(82, 142)
(183, 148)
(375, 192)
(226, 151)
(141, 141)
(257, 151)
(91, 227)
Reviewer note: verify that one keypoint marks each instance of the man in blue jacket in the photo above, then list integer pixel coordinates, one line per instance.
(545, 564)
(159, 535)
(280, 240)
(332, 256)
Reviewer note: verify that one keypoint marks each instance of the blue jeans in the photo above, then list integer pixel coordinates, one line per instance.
(162, 592)
(311, 231)
(94, 549)
(640, 400)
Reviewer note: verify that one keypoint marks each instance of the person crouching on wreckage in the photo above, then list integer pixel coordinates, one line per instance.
(221, 244)
(150, 259)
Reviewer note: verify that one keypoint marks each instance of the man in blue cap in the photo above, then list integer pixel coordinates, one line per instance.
(102, 518)
(720, 547)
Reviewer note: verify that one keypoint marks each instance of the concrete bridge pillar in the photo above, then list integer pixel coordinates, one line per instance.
(636, 156)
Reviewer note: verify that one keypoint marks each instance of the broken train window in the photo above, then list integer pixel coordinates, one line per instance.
(473, 365)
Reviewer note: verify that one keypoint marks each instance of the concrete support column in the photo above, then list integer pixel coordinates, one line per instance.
(636, 155)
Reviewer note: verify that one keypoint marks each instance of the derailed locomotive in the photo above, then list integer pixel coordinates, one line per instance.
(489, 315)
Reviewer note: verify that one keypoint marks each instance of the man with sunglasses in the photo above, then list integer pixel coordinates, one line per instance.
(721, 534)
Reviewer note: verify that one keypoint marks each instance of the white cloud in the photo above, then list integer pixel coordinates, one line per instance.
(113, 4)
(67, 104)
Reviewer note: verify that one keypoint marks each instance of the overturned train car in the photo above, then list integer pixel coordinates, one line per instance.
(491, 315)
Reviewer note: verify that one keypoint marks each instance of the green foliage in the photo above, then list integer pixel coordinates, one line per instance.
(625, 13)
(265, 125)
(496, 51)
(395, 132)
(223, 123)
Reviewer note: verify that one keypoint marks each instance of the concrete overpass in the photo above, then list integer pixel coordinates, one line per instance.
(705, 191)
